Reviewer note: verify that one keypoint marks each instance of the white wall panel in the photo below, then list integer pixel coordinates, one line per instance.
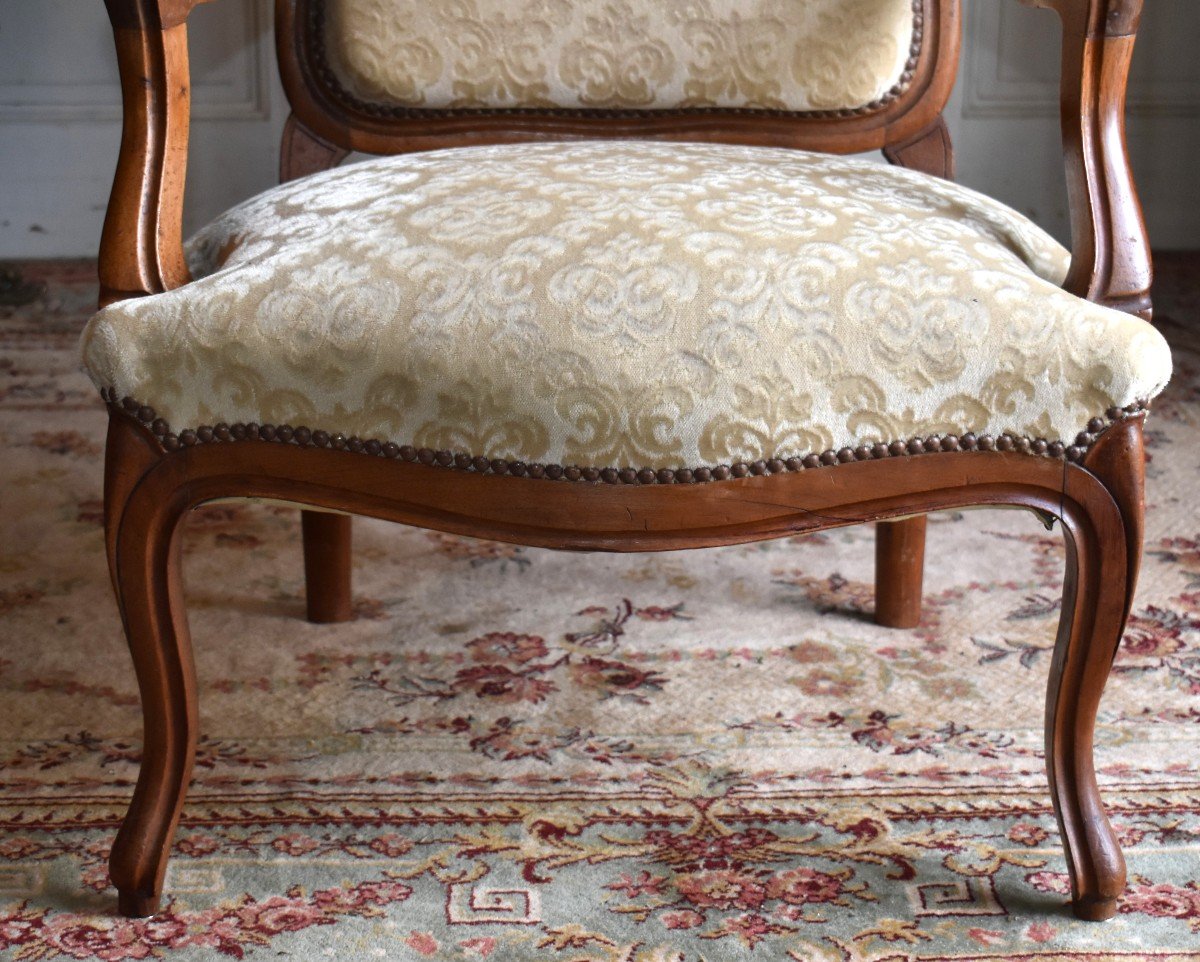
(1005, 114)
(60, 111)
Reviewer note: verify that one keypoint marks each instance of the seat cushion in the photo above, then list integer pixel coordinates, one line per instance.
(799, 55)
(615, 304)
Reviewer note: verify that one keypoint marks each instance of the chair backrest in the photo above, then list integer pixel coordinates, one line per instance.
(385, 76)
(423, 90)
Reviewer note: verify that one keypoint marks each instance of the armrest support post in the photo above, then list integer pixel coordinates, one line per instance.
(1110, 262)
(141, 249)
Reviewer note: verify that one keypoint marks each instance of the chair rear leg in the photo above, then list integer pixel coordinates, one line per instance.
(144, 527)
(327, 564)
(899, 571)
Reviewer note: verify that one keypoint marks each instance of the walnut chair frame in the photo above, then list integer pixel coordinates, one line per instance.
(153, 476)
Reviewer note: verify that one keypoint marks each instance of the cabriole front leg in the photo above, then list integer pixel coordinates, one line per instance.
(1099, 581)
(147, 575)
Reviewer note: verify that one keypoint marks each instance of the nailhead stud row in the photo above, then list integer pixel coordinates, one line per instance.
(304, 437)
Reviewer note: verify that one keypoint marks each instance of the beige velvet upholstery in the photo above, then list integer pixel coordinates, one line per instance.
(627, 305)
(797, 55)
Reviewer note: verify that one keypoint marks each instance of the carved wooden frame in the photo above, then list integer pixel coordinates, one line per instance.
(153, 477)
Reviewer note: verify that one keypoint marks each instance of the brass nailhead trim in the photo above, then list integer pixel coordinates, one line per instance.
(285, 434)
(316, 52)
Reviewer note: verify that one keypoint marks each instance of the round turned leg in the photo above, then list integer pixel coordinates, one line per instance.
(899, 571)
(327, 563)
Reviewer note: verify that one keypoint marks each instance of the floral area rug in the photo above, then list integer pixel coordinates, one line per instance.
(520, 755)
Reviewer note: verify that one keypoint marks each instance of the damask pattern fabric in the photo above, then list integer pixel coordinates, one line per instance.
(627, 304)
(794, 55)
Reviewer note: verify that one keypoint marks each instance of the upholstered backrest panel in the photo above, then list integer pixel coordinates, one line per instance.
(792, 55)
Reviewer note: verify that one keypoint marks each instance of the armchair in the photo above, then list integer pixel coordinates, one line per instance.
(623, 295)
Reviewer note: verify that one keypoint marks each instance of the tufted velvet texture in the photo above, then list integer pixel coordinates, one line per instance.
(627, 305)
(797, 55)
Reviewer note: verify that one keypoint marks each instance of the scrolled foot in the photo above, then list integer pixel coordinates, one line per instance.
(1094, 909)
(138, 905)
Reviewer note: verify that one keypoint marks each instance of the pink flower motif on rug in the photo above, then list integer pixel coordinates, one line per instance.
(229, 928)
(1164, 900)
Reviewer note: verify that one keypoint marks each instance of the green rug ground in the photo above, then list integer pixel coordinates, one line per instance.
(517, 755)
